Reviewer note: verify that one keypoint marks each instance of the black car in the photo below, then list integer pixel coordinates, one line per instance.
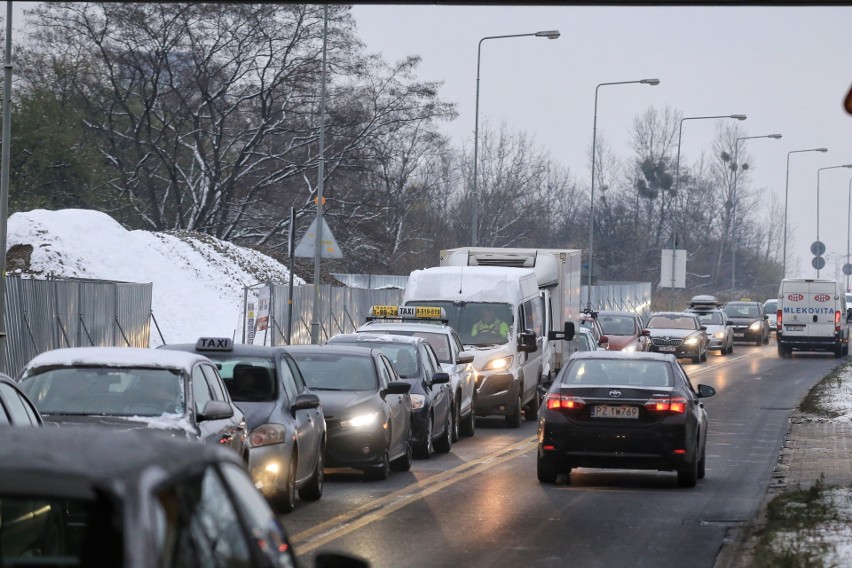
(89, 496)
(751, 323)
(16, 408)
(286, 425)
(678, 333)
(367, 407)
(609, 409)
(431, 398)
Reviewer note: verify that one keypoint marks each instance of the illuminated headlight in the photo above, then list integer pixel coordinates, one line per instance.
(691, 341)
(719, 335)
(417, 401)
(360, 421)
(267, 434)
(629, 348)
(272, 467)
(497, 364)
(755, 326)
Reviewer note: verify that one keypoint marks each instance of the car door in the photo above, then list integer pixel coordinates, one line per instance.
(439, 393)
(225, 431)
(398, 413)
(465, 371)
(309, 422)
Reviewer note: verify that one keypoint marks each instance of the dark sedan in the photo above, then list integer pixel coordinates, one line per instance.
(678, 333)
(431, 398)
(367, 407)
(134, 499)
(287, 431)
(16, 408)
(623, 410)
(750, 322)
(130, 387)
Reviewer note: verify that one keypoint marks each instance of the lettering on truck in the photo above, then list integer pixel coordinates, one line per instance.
(808, 310)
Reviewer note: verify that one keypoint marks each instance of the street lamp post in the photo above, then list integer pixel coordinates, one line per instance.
(848, 223)
(677, 177)
(818, 172)
(734, 206)
(592, 205)
(549, 34)
(786, 191)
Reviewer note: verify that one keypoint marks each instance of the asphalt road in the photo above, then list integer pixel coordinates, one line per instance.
(481, 504)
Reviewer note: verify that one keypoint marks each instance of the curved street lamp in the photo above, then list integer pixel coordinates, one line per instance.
(677, 177)
(818, 171)
(786, 191)
(549, 34)
(651, 82)
(734, 206)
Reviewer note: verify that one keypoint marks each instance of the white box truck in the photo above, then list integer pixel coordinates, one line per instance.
(811, 317)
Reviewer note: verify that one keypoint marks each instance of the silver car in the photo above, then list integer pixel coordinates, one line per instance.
(720, 330)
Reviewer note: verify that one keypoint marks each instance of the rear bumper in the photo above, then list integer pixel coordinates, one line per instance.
(804, 343)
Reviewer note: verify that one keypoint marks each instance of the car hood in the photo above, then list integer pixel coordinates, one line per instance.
(618, 342)
(168, 422)
(743, 321)
(337, 402)
(256, 413)
(672, 332)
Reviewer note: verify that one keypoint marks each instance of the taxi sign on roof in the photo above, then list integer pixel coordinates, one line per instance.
(407, 312)
(214, 344)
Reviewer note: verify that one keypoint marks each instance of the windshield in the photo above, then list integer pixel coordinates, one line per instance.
(618, 325)
(248, 379)
(671, 322)
(403, 356)
(617, 372)
(478, 323)
(106, 391)
(336, 372)
(440, 342)
(742, 310)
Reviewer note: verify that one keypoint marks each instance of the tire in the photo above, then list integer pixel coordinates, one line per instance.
(514, 420)
(704, 355)
(758, 341)
(403, 463)
(531, 410)
(838, 351)
(285, 501)
(546, 470)
(702, 463)
(456, 412)
(468, 425)
(312, 490)
(783, 351)
(731, 348)
(379, 473)
(445, 442)
(696, 359)
(766, 339)
(426, 449)
(688, 475)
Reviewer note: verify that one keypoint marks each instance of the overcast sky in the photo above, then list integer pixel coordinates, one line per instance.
(787, 68)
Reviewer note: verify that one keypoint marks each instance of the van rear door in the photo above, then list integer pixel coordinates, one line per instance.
(808, 309)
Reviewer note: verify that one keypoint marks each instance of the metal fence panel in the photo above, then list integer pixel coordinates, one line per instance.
(621, 296)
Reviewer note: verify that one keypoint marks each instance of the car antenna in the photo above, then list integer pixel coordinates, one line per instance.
(461, 278)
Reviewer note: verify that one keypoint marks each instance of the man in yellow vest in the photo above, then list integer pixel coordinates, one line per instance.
(489, 324)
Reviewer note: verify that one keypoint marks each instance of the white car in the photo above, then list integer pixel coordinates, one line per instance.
(770, 307)
(454, 361)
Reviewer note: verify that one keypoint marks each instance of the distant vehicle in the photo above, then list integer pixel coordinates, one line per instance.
(133, 499)
(624, 331)
(589, 320)
(678, 333)
(810, 317)
(16, 408)
(720, 330)
(770, 308)
(131, 387)
(586, 340)
(609, 409)
(366, 405)
(750, 321)
(431, 399)
(286, 425)
(458, 363)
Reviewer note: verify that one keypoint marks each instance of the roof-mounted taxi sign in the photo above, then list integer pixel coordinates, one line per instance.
(407, 312)
(214, 344)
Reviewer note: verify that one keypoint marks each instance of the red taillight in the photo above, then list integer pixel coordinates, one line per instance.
(564, 402)
(676, 405)
(837, 321)
(778, 321)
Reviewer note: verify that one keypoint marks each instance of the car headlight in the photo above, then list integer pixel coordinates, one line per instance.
(755, 326)
(719, 335)
(691, 341)
(630, 348)
(360, 421)
(267, 434)
(417, 401)
(497, 364)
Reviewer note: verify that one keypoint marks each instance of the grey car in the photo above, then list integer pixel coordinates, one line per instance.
(287, 430)
(678, 333)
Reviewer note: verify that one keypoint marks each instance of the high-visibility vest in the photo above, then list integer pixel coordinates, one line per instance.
(496, 327)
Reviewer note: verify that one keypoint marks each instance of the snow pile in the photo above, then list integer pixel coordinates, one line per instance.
(198, 281)
(835, 396)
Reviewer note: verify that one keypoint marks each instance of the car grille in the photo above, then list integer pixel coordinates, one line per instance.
(666, 341)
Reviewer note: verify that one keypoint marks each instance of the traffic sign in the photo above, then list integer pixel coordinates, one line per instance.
(818, 262)
(818, 248)
(847, 269)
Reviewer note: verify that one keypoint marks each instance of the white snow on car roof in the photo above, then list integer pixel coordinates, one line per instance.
(115, 357)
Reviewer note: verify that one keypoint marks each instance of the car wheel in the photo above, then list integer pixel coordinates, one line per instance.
(731, 348)
(696, 359)
(546, 470)
(514, 420)
(838, 351)
(312, 491)
(468, 425)
(783, 351)
(379, 473)
(426, 449)
(704, 355)
(531, 410)
(456, 411)
(445, 442)
(687, 476)
(702, 463)
(758, 341)
(403, 463)
(285, 501)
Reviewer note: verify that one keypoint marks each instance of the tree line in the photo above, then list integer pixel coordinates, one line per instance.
(206, 118)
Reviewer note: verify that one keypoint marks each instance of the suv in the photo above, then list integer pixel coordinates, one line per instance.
(750, 321)
(451, 355)
(720, 330)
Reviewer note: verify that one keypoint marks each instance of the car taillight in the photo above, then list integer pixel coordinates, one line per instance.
(562, 402)
(676, 405)
(778, 321)
(837, 321)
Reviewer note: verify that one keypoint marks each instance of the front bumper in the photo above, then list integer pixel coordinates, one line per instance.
(355, 447)
(680, 351)
(496, 393)
(745, 333)
(268, 467)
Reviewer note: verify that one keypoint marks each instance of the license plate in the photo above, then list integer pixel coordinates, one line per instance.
(608, 411)
(794, 327)
(667, 348)
(739, 335)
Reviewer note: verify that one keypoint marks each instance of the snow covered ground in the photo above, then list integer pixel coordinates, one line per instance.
(198, 281)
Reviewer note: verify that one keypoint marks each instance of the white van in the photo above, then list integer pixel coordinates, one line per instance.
(508, 356)
(811, 317)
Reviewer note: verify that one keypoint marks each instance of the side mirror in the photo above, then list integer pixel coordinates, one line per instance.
(604, 340)
(439, 378)
(396, 387)
(645, 332)
(216, 410)
(729, 322)
(766, 317)
(305, 401)
(464, 358)
(705, 391)
(567, 334)
(526, 342)
(703, 328)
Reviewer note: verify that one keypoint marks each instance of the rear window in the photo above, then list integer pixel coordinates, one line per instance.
(771, 306)
(248, 379)
(617, 372)
(335, 372)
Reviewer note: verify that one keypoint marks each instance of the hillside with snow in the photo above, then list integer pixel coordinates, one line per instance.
(198, 281)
